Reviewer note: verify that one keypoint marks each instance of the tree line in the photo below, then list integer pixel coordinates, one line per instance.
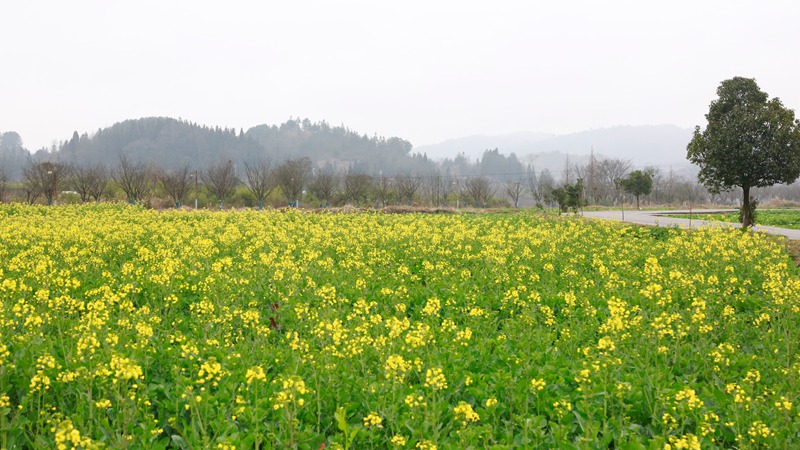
(302, 182)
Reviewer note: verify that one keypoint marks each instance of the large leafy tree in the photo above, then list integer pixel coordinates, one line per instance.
(750, 141)
(638, 183)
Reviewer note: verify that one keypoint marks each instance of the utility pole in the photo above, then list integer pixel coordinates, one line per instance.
(591, 184)
(195, 189)
(457, 192)
(55, 180)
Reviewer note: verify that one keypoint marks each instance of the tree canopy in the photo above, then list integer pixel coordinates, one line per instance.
(750, 141)
(637, 183)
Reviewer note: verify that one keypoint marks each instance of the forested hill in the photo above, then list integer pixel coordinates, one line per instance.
(338, 147)
(160, 141)
(12, 155)
(172, 143)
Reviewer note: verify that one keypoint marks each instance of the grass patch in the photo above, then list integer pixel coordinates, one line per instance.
(783, 218)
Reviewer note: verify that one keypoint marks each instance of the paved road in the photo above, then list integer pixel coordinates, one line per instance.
(657, 218)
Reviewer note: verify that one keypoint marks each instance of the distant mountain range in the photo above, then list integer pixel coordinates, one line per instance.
(645, 145)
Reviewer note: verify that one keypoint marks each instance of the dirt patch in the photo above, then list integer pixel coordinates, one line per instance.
(404, 209)
(793, 247)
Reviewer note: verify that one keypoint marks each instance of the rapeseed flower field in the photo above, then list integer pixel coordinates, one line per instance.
(128, 328)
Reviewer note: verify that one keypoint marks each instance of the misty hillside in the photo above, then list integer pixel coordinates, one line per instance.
(337, 147)
(12, 155)
(645, 145)
(160, 141)
(172, 143)
(473, 146)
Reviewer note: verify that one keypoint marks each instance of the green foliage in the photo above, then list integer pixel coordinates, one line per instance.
(569, 196)
(750, 141)
(784, 218)
(242, 197)
(637, 183)
(349, 432)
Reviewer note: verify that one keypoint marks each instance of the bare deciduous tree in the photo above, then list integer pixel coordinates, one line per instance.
(90, 182)
(479, 190)
(609, 172)
(3, 184)
(136, 180)
(433, 187)
(664, 186)
(541, 187)
(220, 180)
(31, 184)
(44, 179)
(690, 193)
(383, 189)
(407, 186)
(447, 187)
(292, 177)
(514, 191)
(261, 180)
(176, 183)
(324, 185)
(356, 187)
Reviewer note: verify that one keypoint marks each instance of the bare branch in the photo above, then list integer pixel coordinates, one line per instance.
(176, 183)
(3, 184)
(356, 187)
(43, 179)
(479, 190)
(90, 182)
(134, 179)
(407, 186)
(383, 189)
(324, 185)
(292, 177)
(220, 179)
(261, 179)
(514, 191)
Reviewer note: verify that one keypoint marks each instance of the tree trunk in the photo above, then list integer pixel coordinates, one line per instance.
(637, 203)
(746, 220)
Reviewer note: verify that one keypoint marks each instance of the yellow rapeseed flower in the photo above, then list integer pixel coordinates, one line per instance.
(435, 379)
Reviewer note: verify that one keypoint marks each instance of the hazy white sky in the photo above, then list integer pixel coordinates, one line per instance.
(425, 71)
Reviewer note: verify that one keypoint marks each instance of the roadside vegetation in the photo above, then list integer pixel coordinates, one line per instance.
(784, 218)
